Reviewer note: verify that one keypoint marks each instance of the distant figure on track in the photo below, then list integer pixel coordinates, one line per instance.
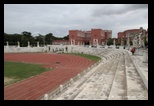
(66, 48)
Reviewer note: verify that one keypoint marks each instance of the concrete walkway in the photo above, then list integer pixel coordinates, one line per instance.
(141, 67)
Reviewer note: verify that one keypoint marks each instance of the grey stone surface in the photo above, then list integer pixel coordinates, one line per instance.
(114, 78)
(142, 68)
(119, 76)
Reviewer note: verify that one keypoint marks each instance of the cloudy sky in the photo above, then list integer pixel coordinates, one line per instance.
(60, 18)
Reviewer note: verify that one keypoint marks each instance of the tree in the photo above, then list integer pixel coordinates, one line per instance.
(27, 34)
(125, 41)
(117, 43)
(66, 37)
(12, 38)
(145, 42)
(40, 38)
(131, 43)
(48, 38)
(110, 42)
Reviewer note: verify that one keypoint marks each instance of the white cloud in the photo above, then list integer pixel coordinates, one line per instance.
(59, 18)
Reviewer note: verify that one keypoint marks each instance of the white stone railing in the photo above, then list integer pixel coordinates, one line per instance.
(14, 49)
(145, 56)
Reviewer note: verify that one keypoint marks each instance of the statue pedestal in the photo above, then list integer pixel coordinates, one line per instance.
(114, 47)
(98, 46)
(121, 47)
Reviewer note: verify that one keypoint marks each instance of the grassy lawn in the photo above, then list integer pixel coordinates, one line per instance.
(90, 57)
(18, 71)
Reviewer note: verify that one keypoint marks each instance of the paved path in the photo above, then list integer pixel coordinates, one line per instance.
(35, 87)
(141, 67)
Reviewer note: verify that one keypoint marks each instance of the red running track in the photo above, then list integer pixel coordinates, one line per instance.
(35, 87)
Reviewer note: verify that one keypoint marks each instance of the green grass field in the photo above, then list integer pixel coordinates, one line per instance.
(16, 71)
(90, 57)
(19, 71)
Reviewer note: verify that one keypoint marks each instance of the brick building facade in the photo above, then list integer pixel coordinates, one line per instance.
(129, 33)
(60, 42)
(94, 37)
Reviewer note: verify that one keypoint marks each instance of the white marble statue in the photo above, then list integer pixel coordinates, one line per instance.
(38, 44)
(28, 44)
(122, 41)
(18, 44)
(7, 43)
(114, 42)
(128, 44)
(140, 41)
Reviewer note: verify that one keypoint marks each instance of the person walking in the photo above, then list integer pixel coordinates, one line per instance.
(133, 50)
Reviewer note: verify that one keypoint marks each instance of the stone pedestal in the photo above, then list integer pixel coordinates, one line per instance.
(98, 46)
(121, 47)
(114, 47)
(61, 88)
(79, 76)
(145, 56)
(106, 47)
(46, 97)
(71, 80)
